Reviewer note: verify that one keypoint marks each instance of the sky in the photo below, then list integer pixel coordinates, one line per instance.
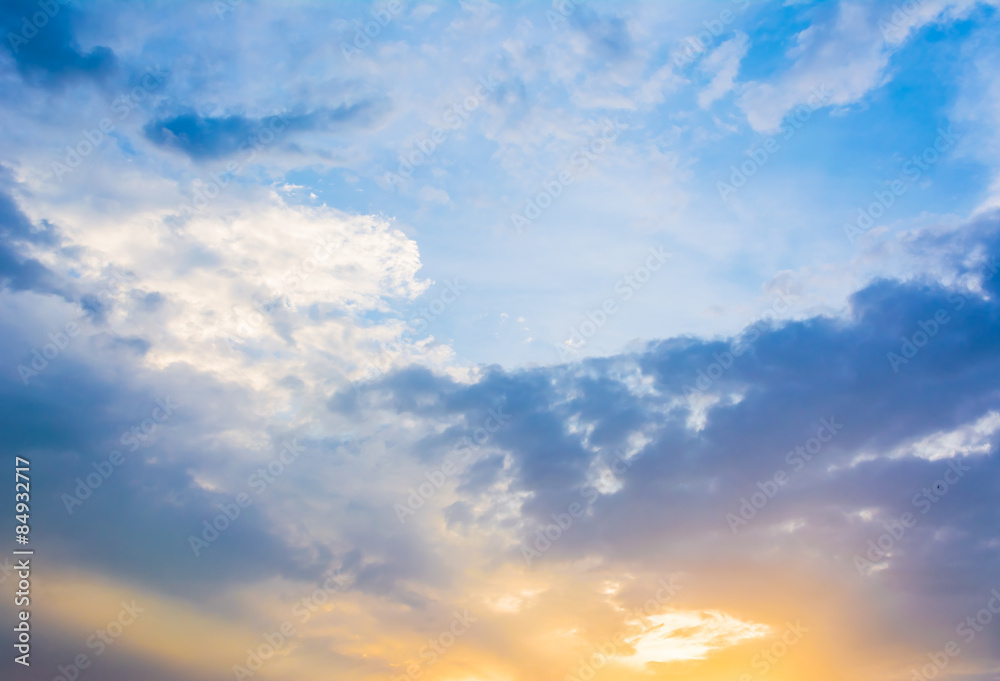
(501, 341)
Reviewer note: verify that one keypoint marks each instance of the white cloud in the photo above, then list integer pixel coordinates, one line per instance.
(292, 284)
(691, 636)
(970, 439)
(849, 57)
(434, 195)
(724, 62)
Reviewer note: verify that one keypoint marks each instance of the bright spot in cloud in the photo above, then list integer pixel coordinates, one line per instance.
(691, 636)
(972, 438)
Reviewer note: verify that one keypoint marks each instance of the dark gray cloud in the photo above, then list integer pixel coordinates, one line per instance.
(136, 524)
(674, 496)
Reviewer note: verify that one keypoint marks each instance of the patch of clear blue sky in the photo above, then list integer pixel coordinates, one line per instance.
(829, 167)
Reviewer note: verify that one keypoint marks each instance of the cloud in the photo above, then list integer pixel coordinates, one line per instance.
(574, 419)
(608, 36)
(18, 271)
(41, 40)
(724, 63)
(848, 55)
(267, 315)
(146, 333)
(434, 195)
(210, 137)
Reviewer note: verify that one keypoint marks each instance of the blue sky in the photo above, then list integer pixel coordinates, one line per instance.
(535, 238)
